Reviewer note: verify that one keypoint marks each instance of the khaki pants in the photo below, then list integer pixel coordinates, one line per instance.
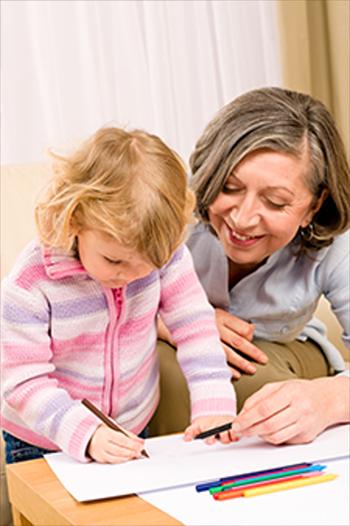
(286, 361)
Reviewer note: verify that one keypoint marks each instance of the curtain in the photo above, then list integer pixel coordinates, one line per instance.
(70, 67)
(315, 51)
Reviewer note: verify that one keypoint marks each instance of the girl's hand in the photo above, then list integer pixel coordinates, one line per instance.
(204, 423)
(236, 336)
(111, 447)
(294, 411)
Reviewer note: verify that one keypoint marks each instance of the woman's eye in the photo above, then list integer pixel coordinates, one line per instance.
(277, 206)
(231, 189)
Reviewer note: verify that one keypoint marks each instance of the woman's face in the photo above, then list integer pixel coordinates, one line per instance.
(262, 205)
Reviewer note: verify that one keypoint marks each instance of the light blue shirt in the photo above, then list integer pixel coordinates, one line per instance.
(281, 296)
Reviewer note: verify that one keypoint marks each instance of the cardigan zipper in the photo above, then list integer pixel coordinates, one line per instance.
(114, 307)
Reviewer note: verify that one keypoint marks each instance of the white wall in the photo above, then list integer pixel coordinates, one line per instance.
(69, 67)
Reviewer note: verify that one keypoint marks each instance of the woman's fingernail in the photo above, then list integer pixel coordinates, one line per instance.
(251, 369)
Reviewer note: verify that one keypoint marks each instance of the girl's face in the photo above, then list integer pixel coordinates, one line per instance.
(109, 262)
(262, 205)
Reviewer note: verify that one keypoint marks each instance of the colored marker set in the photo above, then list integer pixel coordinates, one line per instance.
(266, 481)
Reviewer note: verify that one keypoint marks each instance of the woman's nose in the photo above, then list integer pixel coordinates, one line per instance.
(245, 214)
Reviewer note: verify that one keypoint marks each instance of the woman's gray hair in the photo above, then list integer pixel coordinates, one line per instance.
(284, 121)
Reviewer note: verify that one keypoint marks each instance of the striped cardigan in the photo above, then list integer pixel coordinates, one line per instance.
(66, 338)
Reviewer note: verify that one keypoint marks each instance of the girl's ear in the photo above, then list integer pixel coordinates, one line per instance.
(74, 228)
(315, 208)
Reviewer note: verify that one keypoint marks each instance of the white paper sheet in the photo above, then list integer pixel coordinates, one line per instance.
(320, 505)
(174, 462)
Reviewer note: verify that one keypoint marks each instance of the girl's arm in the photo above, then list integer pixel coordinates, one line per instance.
(190, 319)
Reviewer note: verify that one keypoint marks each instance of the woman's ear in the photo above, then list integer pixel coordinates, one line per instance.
(315, 208)
(320, 200)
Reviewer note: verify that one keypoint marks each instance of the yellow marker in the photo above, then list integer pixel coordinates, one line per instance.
(288, 485)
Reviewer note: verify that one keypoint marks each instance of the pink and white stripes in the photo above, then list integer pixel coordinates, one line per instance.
(64, 339)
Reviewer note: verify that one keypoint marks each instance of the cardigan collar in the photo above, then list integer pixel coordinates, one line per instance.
(59, 264)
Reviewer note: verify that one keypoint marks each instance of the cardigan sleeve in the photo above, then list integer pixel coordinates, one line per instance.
(28, 389)
(191, 321)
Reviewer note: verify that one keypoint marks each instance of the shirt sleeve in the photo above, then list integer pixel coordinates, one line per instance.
(337, 292)
(191, 321)
(28, 387)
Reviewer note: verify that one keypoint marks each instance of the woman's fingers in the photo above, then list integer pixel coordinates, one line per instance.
(242, 345)
(274, 428)
(264, 393)
(261, 407)
(292, 411)
(234, 324)
(237, 360)
(237, 335)
(230, 361)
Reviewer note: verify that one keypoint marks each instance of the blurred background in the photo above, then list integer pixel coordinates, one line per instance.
(70, 67)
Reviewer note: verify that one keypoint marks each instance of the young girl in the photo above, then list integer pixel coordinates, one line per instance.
(80, 307)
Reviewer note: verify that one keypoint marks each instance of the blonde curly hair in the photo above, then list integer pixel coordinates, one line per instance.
(126, 184)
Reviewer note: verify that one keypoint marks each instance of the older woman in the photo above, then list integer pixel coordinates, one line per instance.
(273, 192)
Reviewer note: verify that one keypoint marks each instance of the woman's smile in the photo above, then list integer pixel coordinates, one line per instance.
(241, 239)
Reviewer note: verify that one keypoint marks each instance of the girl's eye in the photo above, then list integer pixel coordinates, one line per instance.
(112, 261)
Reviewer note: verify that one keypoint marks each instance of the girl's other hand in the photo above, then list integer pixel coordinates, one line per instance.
(111, 447)
(204, 423)
(236, 336)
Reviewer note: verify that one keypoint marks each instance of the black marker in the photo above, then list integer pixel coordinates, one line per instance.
(215, 430)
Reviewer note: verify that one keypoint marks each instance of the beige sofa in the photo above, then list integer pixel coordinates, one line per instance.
(20, 186)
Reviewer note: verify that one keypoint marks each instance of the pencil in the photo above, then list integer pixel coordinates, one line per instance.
(215, 430)
(109, 422)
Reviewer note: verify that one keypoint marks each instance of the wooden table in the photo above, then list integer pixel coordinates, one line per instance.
(38, 498)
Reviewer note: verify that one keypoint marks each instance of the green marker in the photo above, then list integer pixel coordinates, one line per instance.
(272, 476)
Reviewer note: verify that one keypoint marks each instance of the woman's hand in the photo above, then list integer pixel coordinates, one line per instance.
(112, 447)
(204, 423)
(163, 332)
(236, 336)
(295, 411)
